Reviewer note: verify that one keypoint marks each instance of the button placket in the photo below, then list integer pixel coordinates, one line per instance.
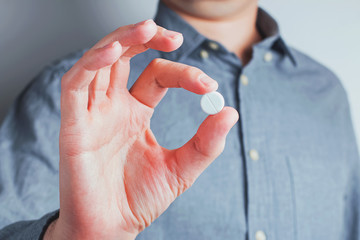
(255, 157)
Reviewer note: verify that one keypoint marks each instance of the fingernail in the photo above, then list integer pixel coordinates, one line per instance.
(171, 34)
(208, 81)
(144, 22)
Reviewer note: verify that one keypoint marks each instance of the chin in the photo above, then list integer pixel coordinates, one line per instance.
(210, 9)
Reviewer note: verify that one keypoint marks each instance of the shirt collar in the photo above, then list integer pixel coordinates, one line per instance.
(169, 19)
(267, 26)
(269, 30)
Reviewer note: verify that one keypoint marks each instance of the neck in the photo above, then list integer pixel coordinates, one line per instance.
(237, 33)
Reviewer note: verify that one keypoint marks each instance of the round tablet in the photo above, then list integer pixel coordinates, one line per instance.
(212, 102)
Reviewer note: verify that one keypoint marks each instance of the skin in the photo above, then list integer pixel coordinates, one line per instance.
(217, 20)
(115, 179)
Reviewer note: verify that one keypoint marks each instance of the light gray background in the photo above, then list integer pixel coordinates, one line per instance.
(36, 32)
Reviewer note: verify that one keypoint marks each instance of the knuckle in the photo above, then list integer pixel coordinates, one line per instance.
(88, 54)
(198, 148)
(85, 62)
(88, 58)
(64, 81)
(192, 73)
(156, 63)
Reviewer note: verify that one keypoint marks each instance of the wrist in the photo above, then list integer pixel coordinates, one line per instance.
(58, 231)
(50, 231)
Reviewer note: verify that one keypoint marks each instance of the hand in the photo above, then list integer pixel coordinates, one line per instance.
(115, 179)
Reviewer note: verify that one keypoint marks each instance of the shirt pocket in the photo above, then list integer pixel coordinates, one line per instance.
(319, 183)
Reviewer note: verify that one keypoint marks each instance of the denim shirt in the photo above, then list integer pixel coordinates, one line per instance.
(290, 168)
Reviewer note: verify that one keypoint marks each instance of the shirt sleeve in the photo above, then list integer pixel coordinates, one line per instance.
(352, 193)
(32, 230)
(351, 160)
(29, 156)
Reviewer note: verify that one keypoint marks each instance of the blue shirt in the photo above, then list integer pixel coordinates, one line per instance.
(290, 169)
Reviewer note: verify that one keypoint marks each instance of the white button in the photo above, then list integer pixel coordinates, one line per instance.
(268, 57)
(212, 103)
(244, 80)
(260, 235)
(254, 155)
(213, 45)
(204, 54)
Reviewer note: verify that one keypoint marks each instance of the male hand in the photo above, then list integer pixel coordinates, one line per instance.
(115, 179)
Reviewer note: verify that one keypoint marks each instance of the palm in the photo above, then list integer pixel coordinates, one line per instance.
(113, 173)
(121, 132)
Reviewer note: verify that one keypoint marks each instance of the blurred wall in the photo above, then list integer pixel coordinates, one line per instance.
(35, 32)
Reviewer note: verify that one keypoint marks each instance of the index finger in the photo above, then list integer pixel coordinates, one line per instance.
(129, 40)
(162, 74)
(137, 38)
(140, 36)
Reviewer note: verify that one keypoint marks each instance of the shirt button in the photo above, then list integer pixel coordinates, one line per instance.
(260, 235)
(268, 57)
(204, 54)
(213, 46)
(244, 80)
(254, 155)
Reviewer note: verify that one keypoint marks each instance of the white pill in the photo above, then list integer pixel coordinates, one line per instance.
(212, 102)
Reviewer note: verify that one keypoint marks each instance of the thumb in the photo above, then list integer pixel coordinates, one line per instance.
(196, 155)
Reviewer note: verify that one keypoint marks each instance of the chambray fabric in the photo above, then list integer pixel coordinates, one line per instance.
(294, 112)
